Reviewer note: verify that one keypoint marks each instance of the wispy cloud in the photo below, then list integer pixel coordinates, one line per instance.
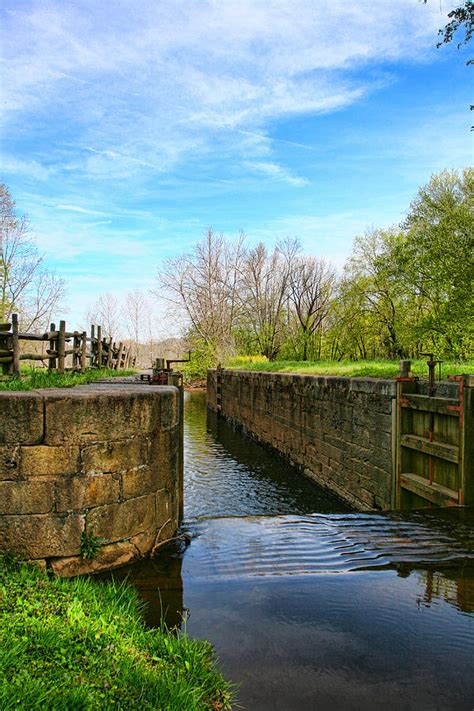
(148, 84)
(81, 210)
(115, 155)
(26, 167)
(276, 172)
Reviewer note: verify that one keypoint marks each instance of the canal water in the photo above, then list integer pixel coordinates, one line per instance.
(310, 605)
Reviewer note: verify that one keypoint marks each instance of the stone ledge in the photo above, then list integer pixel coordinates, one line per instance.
(108, 558)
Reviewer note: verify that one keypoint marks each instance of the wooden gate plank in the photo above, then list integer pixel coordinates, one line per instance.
(436, 493)
(437, 449)
(441, 405)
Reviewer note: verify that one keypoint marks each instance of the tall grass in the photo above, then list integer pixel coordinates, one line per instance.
(35, 378)
(81, 644)
(363, 368)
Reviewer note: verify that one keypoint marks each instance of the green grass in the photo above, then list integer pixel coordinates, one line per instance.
(81, 644)
(34, 378)
(354, 369)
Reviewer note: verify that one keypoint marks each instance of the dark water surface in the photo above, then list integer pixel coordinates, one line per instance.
(310, 605)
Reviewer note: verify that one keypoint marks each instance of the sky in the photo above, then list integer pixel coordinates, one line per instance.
(131, 126)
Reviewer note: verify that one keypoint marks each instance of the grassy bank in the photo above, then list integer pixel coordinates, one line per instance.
(80, 644)
(34, 378)
(354, 369)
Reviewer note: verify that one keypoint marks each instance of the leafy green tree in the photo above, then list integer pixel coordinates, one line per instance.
(461, 17)
(352, 329)
(435, 261)
(374, 280)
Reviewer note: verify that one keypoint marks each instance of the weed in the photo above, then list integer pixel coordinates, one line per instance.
(90, 545)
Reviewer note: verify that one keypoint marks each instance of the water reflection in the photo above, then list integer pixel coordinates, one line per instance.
(456, 588)
(309, 605)
(229, 475)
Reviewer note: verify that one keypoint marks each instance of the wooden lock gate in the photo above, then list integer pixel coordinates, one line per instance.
(435, 445)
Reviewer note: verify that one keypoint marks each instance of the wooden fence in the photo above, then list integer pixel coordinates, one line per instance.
(68, 350)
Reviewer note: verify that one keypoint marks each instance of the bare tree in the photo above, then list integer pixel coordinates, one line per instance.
(265, 294)
(106, 312)
(135, 311)
(25, 286)
(311, 288)
(204, 283)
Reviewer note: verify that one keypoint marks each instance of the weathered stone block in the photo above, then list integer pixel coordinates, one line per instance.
(144, 542)
(115, 456)
(114, 522)
(164, 453)
(48, 461)
(373, 386)
(9, 461)
(169, 409)
(83, 492)
(138, 482)
(85, 414)
(108, 558)
(41, 536)
(21, 417)
(164, 508)
(26, 497)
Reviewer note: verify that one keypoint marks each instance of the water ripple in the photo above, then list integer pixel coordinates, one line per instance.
(315, 544)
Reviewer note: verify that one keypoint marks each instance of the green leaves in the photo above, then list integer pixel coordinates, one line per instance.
(410, 289)
(90, 545)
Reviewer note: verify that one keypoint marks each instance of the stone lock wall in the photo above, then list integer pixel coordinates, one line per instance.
(100, 459)
(338, 431)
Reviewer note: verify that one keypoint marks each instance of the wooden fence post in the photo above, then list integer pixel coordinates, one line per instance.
(119, 356)
(76, 345)
(99, 346)
(92, 346)
(52, 347)
(5, 346)
(61, 347)
(109, 354)
(83, 351)
(16, 347)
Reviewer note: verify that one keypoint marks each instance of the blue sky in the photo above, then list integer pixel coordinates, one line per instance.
(130, 127)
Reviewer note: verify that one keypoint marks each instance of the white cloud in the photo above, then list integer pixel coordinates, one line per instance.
(30, 168)
(147, 84)
(77, 208)
(276, 172)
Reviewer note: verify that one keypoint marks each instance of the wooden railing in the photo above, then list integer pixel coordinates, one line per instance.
(68, 350)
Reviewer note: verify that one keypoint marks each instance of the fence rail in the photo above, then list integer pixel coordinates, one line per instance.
(68, 350)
